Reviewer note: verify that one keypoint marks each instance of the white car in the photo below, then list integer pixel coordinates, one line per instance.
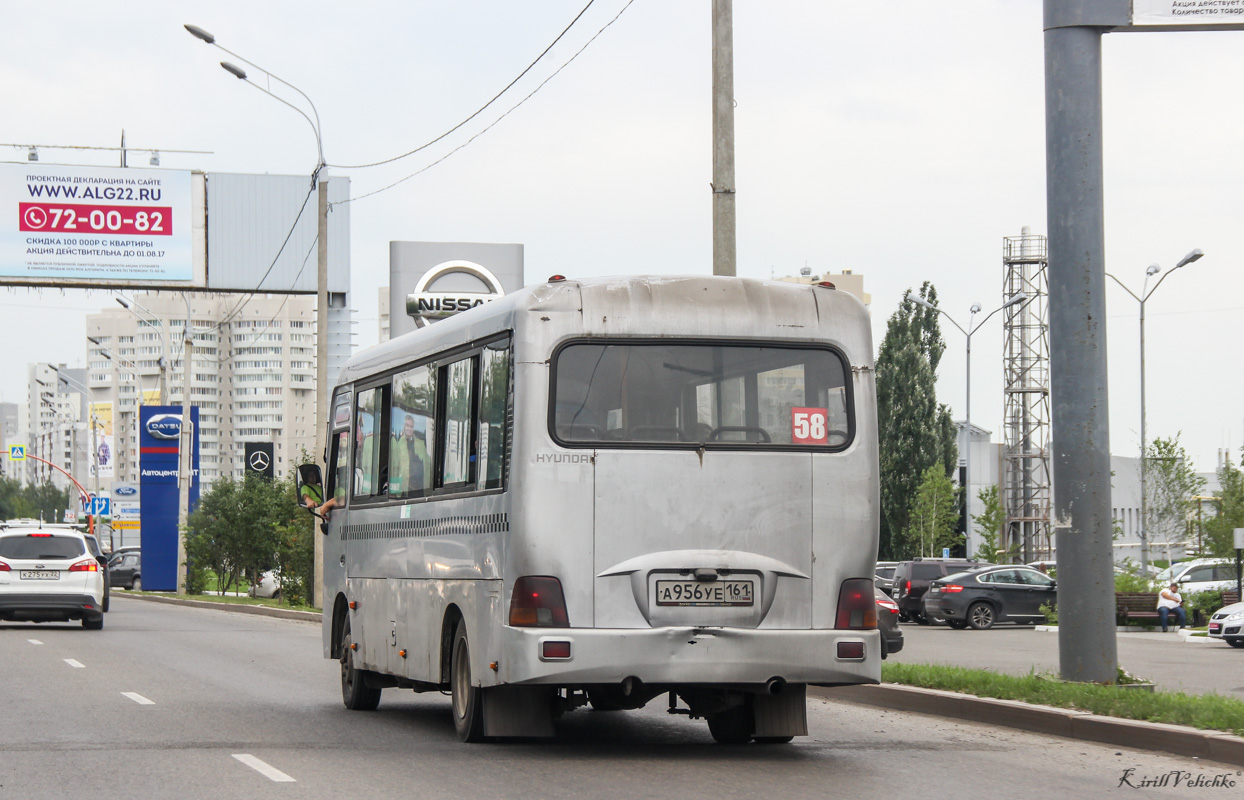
(51, 574)
(1227, 624)
(269, 585)
(1204, 574)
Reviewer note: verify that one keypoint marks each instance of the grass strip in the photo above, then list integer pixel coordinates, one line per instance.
(1205, 711)
(241, 601)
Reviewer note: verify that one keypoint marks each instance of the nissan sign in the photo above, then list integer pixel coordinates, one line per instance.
(426, 303)
(164, 426)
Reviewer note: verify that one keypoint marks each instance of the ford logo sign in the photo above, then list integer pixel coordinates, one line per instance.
(124, 491)
(164, 426)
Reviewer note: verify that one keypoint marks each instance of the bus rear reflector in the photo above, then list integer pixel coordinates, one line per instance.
(538, 602)
(857, 605)
(559, 650)
(850, 649)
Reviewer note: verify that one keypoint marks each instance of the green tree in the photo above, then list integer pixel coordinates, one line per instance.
(1171, 483)
(1220, 529)
(989, 526)
(914, 432)
(933, 517)
(249, 526)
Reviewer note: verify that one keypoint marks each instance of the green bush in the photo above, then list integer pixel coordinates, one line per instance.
(1206, 602)
(1050, 610)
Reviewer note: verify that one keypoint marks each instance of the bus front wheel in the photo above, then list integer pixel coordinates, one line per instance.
(355, 692)
(467, 700)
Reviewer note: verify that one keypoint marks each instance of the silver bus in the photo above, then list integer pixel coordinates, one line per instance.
(607, 491)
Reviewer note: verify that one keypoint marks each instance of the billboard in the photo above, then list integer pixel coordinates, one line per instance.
(1187, 12)
(102, 439)
(64, 223)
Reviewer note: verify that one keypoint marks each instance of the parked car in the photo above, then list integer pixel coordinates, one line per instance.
(1204, 574)
(125, 569)
(887, 622)
(912, 579)
(984, 597)
(269, 585)
(884, 576)
(51, 573)
(1227, 623)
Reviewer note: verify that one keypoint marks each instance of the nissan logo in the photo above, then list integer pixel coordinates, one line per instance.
(164, 426)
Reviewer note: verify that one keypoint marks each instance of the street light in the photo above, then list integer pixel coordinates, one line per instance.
(1153, 269)
(967, 405)
(321, 306)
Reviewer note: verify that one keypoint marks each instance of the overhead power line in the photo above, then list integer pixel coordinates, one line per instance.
(498, 119)
(479, 110)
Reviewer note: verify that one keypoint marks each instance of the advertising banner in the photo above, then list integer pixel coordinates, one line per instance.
(95, 223)
(102, 437)
(158, 439)
(1187, 12)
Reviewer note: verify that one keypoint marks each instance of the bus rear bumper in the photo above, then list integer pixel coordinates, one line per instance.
(688, 656)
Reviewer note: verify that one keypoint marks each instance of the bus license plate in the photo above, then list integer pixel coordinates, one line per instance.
(40, 575)
(698, 593)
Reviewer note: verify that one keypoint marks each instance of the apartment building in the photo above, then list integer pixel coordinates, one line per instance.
(252, 373)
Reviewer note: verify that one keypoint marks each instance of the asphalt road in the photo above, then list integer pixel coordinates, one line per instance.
(1164, 658)
(175, 702)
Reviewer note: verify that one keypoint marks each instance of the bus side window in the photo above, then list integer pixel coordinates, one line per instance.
(494, 408)
(412, 422)
(338, 466)
(371, 446)
(459, 462)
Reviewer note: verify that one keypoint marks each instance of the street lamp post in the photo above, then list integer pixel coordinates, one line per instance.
(1144, 295)
(321, 308)
(967, 402)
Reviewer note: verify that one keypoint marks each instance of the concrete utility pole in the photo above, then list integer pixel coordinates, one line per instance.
(724, 249)
(185, 462)
(322, 385)
(1087, 647)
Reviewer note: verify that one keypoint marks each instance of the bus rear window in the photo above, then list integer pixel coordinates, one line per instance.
(701, 394)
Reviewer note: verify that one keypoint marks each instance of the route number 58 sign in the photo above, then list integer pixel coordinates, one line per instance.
(809, 425)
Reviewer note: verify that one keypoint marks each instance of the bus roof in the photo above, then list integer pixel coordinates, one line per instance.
(645, 305)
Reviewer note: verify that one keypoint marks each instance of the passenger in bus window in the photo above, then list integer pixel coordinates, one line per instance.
(408, 457)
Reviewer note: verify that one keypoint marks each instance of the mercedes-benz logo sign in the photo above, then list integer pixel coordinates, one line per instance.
(259, 461)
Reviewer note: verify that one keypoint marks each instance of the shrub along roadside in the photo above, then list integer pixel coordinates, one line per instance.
(1205, 711)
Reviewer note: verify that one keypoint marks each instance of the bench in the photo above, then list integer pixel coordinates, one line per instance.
(1136, 606)
(1229, 598)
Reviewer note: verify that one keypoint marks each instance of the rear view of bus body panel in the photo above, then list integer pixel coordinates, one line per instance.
(596, 517)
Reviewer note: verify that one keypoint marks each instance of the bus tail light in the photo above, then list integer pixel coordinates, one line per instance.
(88, 565)
(857, 605)
(538, 602)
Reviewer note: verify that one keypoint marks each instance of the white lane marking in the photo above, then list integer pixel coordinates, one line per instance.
(34, 641)
(138, 698)
(75, 664)
(267, 770)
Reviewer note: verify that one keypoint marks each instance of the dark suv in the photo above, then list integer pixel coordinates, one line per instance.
(912, 579)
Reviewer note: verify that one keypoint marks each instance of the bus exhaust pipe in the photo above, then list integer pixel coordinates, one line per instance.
(775, 685)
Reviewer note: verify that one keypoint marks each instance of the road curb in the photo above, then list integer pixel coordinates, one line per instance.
(1065, 722)
(262, 611)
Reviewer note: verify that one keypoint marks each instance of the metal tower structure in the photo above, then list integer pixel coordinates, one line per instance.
(1026, 355)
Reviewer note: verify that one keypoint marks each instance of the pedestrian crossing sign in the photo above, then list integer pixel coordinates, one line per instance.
(17, 452)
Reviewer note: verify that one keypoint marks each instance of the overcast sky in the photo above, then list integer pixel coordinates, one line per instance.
(900, 139)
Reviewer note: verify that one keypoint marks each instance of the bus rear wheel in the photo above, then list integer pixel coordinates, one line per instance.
(733, 726)
(355, 692)
(466, 698)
